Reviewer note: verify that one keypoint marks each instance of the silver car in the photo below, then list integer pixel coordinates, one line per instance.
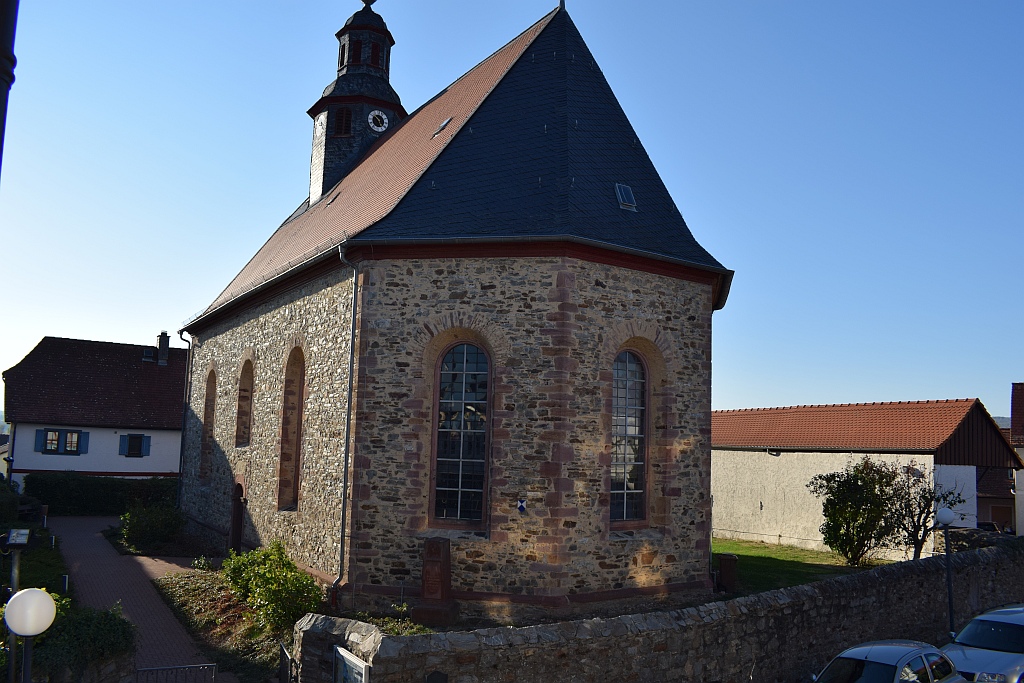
(990, 649)
(890, 661)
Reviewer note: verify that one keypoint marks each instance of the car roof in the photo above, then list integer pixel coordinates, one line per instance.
(886, 651)
(1010, 614)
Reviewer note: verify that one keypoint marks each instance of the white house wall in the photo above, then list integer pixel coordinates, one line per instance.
(963, 478)
(762, 497)
(102, 456)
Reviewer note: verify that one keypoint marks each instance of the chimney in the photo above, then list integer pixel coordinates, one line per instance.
(1017, 413)
(163, 345)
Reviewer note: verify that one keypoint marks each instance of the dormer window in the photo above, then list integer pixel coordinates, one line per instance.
(356, 54)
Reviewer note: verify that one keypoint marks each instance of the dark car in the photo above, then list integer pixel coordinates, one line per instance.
(890, 661)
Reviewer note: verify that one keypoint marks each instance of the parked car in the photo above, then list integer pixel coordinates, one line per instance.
(890, 661)
(990, 649)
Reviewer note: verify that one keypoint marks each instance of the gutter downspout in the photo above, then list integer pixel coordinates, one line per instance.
(184, 417)
(335, 601)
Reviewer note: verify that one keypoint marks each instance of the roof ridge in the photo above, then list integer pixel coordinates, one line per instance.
(847, 405)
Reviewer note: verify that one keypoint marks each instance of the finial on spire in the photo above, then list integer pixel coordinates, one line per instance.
(369, 2)
(561, 4)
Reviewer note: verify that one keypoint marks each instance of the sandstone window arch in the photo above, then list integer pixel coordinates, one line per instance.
(290, 462)
(461, 435)
(209, 419)
(243, 418)
(629, 459)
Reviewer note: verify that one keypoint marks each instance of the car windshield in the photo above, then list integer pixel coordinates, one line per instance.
(843, 670)
(993, 635)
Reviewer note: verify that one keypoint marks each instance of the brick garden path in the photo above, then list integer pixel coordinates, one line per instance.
(101, 577)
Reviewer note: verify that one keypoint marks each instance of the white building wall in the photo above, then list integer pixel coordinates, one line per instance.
(963, 478)
(102, 456)
(758, 496)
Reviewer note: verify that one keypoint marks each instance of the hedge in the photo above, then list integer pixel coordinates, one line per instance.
(73, 494)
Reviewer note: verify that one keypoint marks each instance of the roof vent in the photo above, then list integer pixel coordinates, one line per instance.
(441, 128)
(149, 355)
(625, 195)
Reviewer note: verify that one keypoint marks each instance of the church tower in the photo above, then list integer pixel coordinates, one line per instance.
(359, 106)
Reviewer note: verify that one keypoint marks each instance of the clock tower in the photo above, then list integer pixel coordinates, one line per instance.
(359, 106)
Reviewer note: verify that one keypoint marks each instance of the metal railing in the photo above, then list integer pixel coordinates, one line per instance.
(197, 673)
(286, 666)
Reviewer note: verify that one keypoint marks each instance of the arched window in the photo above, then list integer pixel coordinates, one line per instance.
(291, 432)
(243, 421)
(629, 442)
(209, 416)
(461, 463)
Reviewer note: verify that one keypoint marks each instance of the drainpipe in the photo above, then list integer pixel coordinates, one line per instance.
(184, 416)
(348, 426)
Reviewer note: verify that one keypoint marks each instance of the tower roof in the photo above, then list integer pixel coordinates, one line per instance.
(528, 146)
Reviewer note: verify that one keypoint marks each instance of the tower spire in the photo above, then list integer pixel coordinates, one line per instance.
(561, 4)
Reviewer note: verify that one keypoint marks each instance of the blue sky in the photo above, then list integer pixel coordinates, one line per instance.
(858, 164)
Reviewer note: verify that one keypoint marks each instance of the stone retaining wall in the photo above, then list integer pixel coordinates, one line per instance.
(781, 636)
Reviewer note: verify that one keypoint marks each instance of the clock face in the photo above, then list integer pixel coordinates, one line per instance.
(378, 121)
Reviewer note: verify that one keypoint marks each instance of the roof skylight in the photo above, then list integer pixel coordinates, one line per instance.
(625, 195)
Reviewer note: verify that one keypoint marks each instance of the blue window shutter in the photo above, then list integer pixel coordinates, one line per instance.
(123, 445)
(40, 440)
(145, 444)
(83, 443)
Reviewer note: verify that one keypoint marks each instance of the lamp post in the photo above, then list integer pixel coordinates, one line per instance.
(944, 517)
(29, 613)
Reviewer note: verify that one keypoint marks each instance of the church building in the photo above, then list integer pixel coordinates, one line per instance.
(488, 324)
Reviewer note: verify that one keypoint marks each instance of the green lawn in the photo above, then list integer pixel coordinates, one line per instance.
(764, 567)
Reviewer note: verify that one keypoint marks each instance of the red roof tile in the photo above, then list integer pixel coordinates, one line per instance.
(906, 426)
(382, 179)
(95, 384)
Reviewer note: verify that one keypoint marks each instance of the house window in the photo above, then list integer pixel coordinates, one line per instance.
(61, 442)
(134, 445)
(355, 56)
(52, 444)
(290, 466)
(342, 56)
(243, 421)
(375, 54)
(343, 122)
(209, 413)
(629, 445)
(461, 435)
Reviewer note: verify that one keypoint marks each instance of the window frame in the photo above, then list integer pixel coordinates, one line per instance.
(55, 449)
(243, 424)
(135, 446)
(630, 524)
(355, 52)
(342, 127)
(68, 450)
(452, 522)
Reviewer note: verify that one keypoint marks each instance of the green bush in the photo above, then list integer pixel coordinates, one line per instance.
(82, 637)
(270, 583)
(73, 494)
(8, 505)
(142, 527)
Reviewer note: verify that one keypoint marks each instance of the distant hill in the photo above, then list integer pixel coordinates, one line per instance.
(1003, 422)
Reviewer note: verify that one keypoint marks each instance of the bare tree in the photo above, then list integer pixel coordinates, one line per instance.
(915, 499)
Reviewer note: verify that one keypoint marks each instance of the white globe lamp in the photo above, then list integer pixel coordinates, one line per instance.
(29, 613)
(945, 516)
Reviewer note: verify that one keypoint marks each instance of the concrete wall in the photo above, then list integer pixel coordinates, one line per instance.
(783, 636)
(761, 496)
(102, 457)
(551, 328)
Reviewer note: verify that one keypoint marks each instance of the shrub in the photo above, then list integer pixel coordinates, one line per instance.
(270, 583)
(71, 494)
(142, 527)
(82, 637)
(8, 504)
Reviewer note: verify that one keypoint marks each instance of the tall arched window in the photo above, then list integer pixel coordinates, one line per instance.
(209, 417)
(629, 443)
(291, 432)
(243, 421)
(461, 465)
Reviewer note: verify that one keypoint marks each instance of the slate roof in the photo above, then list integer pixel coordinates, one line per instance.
(906, 426)
(95, 384)
(527, 146)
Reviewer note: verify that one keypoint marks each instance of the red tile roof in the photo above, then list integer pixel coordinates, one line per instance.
(382, 179)
(95, 384)
(905, 426)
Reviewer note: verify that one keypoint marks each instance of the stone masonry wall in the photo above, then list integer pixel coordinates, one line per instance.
(314, 317)
(551, 328)
(783, 636)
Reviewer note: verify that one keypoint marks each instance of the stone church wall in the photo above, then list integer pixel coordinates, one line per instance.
(314, 317)
(551, 328)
